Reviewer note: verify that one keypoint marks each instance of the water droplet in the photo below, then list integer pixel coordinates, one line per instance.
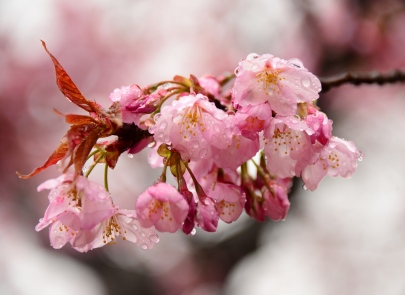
(360, 156)
(152, 144)
(163, 125)
(306, 81)
(154, 238)
(149, 122)
(84, 169)
(295, 62)
(143, 234)
(252, 56)
(255, 67)
(304, 187)
(157, 117)
(58, 243)
(195, 144)
(130, 156)
(237, 71)
(193, 232)
(202, 153)
(143, 246)
(177, 119)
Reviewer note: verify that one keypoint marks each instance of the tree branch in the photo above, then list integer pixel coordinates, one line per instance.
(357, 78)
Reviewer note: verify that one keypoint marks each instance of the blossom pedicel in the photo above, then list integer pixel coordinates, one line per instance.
(205, 137)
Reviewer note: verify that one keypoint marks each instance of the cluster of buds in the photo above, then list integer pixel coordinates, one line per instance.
(232, 143)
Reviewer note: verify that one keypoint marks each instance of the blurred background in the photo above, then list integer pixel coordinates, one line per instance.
(348, 237)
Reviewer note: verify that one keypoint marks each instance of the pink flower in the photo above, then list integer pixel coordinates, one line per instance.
(281, 83)
(275, 201)
(320, 124)
(206, 216)
(122, 222)
(127, 95)
(253, 207)
(287, 146)
(79, 210)
(239, 151)
(253, 119)
(210, 84)
(338, 158)
(64, 203)
(192, 125)
(230, 200)
(163, 206)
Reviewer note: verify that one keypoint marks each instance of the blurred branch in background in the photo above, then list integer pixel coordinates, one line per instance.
(357, 78)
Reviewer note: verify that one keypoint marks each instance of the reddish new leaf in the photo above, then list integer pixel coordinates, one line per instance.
(79, 119)
(68, 88)
(83, 149)
(56, 156)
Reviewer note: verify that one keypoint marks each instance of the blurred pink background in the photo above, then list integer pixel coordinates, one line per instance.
(348, 237)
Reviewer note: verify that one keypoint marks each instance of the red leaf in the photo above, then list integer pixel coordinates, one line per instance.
(79, 119)
(57, 155)
(68, 88)
(83, 149)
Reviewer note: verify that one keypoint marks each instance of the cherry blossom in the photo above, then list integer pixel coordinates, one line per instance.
(287, 146)
(163, 206)
(206, 214)
(230, 200)
(122, 222)
(192, 125)
(126, 96)
(205, 132)
(320, 125)
(281, 83)
(276, 203)
(338, 158)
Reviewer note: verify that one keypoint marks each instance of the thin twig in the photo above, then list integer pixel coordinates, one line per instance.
(357, 78)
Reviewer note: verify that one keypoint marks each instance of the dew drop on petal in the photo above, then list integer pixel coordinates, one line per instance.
(306, 81)
(163, 125)
(130, 156)
(252, 56)
(58, 243)
(152, 144)
(154, 238)
(193, 232)
(149, 122)
(304, 187)
(177, 119)
(84, 169)
(295, 62)
(143, 246)
(237, 71)
(202, 153)
(157, 117)
(360, 156)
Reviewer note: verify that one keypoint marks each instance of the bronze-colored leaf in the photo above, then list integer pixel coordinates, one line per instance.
(79, 119)
(68, 88)
(56, 156)
(83, 149)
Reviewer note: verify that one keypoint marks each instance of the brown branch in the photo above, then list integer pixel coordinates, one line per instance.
(357, 78)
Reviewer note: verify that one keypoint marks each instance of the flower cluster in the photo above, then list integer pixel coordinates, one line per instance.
(228, 150)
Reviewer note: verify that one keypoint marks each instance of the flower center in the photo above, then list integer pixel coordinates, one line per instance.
(111, 231)
(287, 139)
(269, 80)
(191, 121)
